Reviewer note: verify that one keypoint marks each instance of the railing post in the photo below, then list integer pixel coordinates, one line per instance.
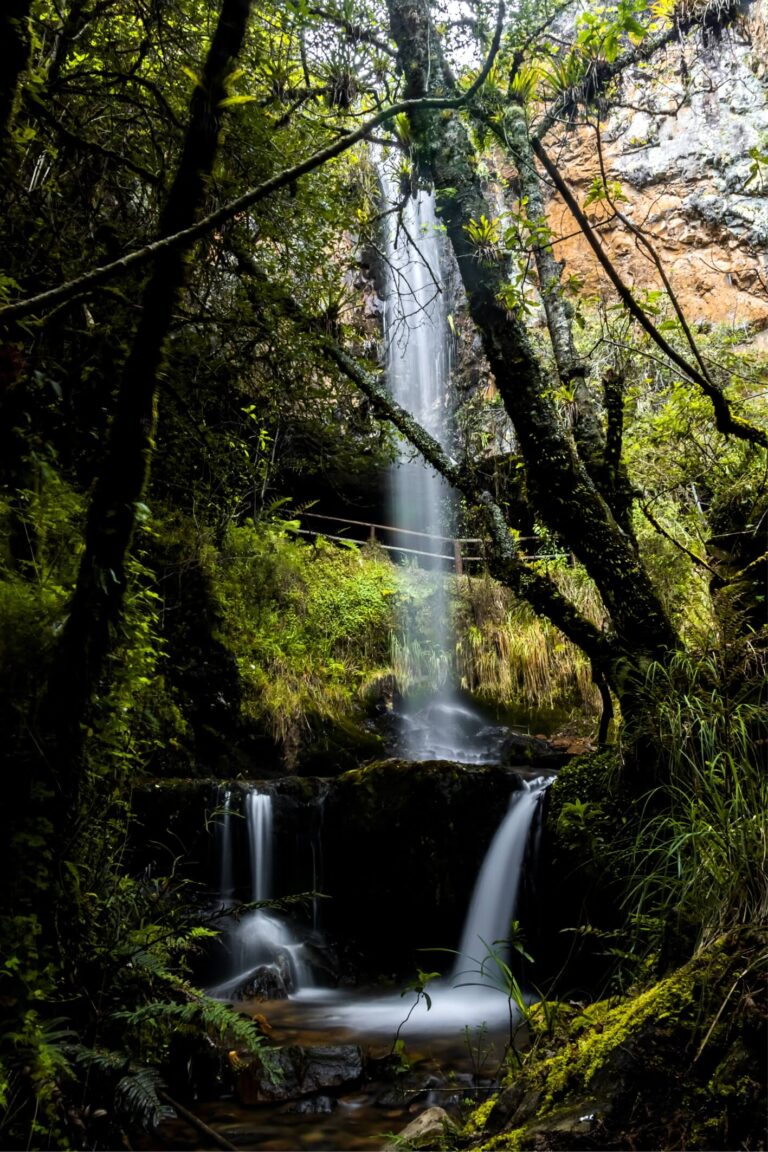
(372, 534)
(457, 557)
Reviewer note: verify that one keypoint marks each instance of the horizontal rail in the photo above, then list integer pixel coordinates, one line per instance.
(387, 547)
(402, 531)
(431, 555)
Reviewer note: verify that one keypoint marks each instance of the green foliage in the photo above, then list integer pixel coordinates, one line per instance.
(308, 625)
(506, 654)
(699, 861)
(136, 1097)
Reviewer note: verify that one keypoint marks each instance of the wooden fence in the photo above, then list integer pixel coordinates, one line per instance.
(452, 548)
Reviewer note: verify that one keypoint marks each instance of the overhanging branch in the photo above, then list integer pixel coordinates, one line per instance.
(504, 562)
(726, 422)
(187, 236)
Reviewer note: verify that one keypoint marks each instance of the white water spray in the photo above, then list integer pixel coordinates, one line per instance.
(474, 993)
(418, 372)
(258, 814)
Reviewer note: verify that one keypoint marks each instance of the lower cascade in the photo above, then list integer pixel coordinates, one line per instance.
(484, 943)
(266, 960)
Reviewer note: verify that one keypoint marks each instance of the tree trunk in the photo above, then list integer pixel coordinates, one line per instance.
(98, 600)
(14, 57)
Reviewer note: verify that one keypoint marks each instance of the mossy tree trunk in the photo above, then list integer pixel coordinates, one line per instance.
(14, 57)
(560, 487)
(97, 604)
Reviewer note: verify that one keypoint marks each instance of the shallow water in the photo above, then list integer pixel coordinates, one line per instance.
(453, 1051)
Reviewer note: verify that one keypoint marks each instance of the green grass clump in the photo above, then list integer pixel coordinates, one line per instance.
(309, 625)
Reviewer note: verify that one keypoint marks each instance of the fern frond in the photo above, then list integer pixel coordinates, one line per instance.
(102, 1059)
(137, 1100)
(218, 1019)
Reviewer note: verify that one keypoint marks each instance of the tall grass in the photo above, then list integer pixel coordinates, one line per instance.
(507, 654)
(312, 627)
(700, 856)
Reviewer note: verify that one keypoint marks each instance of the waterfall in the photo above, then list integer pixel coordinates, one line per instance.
(494, 899)
(418, 370)
(262, 946)
(466, 997)
(258, 812)
(224, 850)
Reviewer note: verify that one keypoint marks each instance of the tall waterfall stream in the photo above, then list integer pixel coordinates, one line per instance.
(268, 955)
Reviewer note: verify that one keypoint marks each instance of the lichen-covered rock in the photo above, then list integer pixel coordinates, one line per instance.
(432, 1129)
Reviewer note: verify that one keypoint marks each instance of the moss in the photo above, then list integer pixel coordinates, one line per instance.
(478, 1116)
(666, 1067)
(604, 1027)
(511, 1141)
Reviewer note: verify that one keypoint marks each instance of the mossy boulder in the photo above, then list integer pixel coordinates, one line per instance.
(679, 1064)
(578, 882)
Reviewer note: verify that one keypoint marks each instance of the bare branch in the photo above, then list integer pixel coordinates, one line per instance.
(504, 562)
(355, 32)
(668, 536)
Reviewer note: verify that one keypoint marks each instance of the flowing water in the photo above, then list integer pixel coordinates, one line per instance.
(492, 907)
(261, 947)
(473, 999)
(418, 373)
(454, 1045)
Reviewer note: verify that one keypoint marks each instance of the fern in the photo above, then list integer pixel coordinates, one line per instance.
(103, 1059)
(218, 1019)
(137, 1100)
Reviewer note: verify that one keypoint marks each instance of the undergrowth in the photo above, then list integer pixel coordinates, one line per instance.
(309, 625)
(699, 862)
(507, 654)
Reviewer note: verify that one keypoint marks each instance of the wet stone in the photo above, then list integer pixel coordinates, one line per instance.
(299, 1072)
(431, 1129)
(265, 983)
(312, 1106)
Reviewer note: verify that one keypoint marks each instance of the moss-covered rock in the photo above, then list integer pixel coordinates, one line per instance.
(678, 1065)
(579, 886)
(403, 844)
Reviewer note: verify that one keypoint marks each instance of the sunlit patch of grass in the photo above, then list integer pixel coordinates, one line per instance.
(507, 654)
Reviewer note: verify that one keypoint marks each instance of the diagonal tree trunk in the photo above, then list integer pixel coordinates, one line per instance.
(559, 485)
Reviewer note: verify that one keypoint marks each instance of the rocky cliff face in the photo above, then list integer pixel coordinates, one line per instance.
(678, 141)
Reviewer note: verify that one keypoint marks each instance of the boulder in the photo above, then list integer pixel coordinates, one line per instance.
(266, 982)
(531, 752)
(431, 1129)
(292, 1072)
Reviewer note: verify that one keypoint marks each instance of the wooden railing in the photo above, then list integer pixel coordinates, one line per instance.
(452, 553)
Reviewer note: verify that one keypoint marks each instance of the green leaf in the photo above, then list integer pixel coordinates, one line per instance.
(229, 101)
